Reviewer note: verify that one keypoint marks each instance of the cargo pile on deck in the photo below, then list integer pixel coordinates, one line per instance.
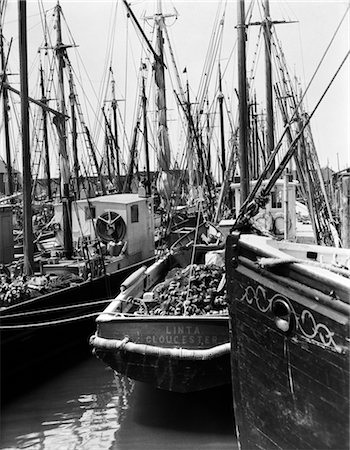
(195, 290)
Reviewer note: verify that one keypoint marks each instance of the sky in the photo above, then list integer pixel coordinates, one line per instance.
(304, 44)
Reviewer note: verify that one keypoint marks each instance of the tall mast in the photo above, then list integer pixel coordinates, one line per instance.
(61, 127)
(165, 179)
(94, 158)
(163, 137)
(243, 110)
(222, 135)
(109, 151)
(132, 159)
(268, 80)
(5, 103)
(74, 134)
(46, 142)
(115, 140)
(28, 247)
(190, 146)
(208, 140)
(145, 136)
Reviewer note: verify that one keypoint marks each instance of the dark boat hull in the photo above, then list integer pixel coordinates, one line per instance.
(40, 345)
(290, 356)
(181, 354)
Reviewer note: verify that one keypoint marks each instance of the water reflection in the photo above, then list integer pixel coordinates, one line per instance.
(90, 408)
(165, 420)
(69, 412)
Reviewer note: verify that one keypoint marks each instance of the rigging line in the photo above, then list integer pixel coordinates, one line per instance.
(232, 128)
(125, 77)
(256, 57)
(208, 59)
(49, 323)
(3, 6)
(209, 63)
(43, 19)
(210, 70)
(68, 29)
(105, 82)
(111, 40)
(325, 53)
(194, 248)
(78, 81)
(53, 309)
(277, 173)
(178, 79)
(278, 145)
(289, 153)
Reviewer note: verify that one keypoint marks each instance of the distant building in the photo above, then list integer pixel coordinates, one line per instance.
(3, 178)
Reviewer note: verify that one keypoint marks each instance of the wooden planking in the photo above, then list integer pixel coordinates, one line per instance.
(261, 380)
(331, 370)
(314, 412)
(302, 413)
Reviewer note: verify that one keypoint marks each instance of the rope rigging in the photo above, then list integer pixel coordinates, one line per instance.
(253, 202)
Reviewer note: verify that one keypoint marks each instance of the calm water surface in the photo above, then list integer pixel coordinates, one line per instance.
(88, 407)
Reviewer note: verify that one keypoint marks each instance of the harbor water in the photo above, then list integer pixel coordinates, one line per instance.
(89, 407)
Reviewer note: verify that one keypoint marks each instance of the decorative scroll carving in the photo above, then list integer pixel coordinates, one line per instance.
(305, 323)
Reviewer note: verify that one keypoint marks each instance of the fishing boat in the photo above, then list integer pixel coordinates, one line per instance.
(289, 316)
(47, 311)
(168, 327)
(289, 312)
(56, 307)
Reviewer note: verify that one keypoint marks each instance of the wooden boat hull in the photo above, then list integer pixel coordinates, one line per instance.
(36, 346)
(290, 353)
(176, 352)
(181, 354)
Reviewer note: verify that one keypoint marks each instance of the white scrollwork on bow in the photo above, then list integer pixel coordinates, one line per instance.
(306, 323)
(318, 330)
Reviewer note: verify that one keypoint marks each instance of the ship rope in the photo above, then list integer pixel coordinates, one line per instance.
(194, 249)
(251, 206)
(49, 310)
(49, 323)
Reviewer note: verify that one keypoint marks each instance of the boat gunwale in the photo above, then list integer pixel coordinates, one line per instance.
(321, 303)
(119, 317)
(297, 269)
(74, 285)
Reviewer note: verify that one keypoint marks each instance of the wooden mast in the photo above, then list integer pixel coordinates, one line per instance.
(192, 184)
(28, 247)
(115, 140)
(268, 80)
(243, 110)
(74, 134)
(45, 137)
(64, 162)
(208, 139)
(163, 137)
(222, 134)
(5, 103)
(145, 136)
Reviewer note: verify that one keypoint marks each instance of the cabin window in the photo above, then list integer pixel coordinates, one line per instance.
(90, 212)
(276, 199)
(134, 213)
